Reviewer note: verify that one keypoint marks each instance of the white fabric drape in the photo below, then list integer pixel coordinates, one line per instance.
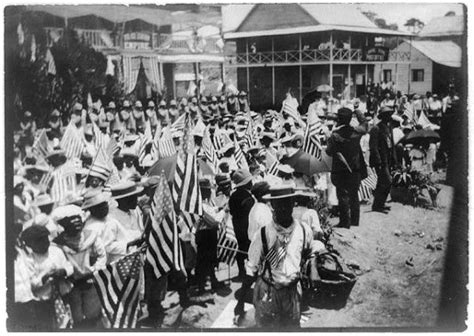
(152, 72)
(131, 68)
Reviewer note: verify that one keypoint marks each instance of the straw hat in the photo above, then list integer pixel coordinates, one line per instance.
(93, 198)
(125, 189)
(280, 193)
(241, 177)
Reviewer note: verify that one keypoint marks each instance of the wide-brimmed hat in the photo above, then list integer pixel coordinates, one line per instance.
(125, 189)
(205, 183)
(268, 135)
(151, 103)
(222, 179)
(280, 193)
(55, 113)
(241, 177)
(93, 198)
(66, 211)
(227, 147)
(386, 110)
(56, 156)
(43, 199)
(111, 106)
(173, 102)
(285, 169)
(138, 104)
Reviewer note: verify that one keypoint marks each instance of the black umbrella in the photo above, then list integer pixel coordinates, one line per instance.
(423, 135)
(307, 164)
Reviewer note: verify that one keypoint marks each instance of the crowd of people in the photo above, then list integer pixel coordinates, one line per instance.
(84, 191)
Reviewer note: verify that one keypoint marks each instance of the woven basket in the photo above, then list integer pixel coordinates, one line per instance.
(333, 293)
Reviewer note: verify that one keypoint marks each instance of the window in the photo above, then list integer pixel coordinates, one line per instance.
(417, 75)
(387, 76)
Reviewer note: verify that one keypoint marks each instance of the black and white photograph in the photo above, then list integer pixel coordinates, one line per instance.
(235, 167)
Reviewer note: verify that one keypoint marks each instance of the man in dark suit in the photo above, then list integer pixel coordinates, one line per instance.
(382, 158)
(240, 203)
(348, 165)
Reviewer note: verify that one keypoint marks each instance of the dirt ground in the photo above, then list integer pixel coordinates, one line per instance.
(399, 261)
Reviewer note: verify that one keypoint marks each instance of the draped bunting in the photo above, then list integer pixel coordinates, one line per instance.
(152, 72)
(131, 68)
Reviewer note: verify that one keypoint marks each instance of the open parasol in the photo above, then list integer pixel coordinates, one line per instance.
(307, 164)
(422, 135)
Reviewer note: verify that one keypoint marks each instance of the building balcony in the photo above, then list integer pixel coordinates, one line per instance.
(312, 56)
(103, 40)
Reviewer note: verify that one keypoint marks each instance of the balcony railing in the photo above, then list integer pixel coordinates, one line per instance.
(101, 39)
(308, 56)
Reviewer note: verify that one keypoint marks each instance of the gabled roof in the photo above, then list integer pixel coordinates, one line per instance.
(252, 20)
(445, 53)
(444, 26)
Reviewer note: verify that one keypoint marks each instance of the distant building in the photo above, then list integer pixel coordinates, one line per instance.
(300, 46)
(436, 56)
(433, 65)
(155, 50)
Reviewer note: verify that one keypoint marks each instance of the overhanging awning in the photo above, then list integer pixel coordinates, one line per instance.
(314, 29)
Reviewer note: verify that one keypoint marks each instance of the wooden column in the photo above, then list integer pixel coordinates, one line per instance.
(174, 82)
(409, 70)
(301, 69)
(248, 70)
(349, 68)
(330, 64)
(366, 76)
(273, 72)
(396, 67)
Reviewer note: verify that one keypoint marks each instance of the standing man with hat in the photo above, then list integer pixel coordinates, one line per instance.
(348, 165)
(382, 158)
(240, 204)
(127, 213)
(244, 105)
(275, 258)
(173, 111)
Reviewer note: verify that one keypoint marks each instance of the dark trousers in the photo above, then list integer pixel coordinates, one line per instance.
(384, 182)
(347, 191)
(244, 244)
(155, 291)
(206, 258)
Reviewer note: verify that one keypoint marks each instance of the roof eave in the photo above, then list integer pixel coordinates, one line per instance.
(313, 29)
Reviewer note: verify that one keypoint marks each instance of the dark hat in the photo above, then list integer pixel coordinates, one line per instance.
(344, 112)
(57, 157)
(280, 193)
(205, 183)
(260, 188)
(385, 110)
(222, 179)
(125, 189)
(33, 233)
(241, 177)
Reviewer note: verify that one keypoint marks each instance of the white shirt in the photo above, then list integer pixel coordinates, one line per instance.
(131, 221)
(54, 259)
(113, 235)
(259, 215)
(308, 217)
(289, 269)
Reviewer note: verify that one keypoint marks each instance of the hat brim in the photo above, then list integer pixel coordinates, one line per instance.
(88, 206)
(137, 191)
(270, 197)
(44, 203)
(244, 181)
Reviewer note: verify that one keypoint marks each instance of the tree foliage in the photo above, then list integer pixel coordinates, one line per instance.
(79, 69)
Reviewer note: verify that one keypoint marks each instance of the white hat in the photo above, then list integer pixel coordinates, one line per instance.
(66, 211)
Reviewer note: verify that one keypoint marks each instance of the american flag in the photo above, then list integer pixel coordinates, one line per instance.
(189, 219)
(165, 144)
(367, 185)
(72, 142)
(186, 191)
(64, 182)
(164, 251)
(210, 151)
(179, 123)
(276, 253)
(41, 146)
(311, 142)
(112, 148)
(239, 157)
(101, 139)
(227, 245)
(118, 286)
(102, 165)
(290, 106)
(272, 164)
(145, 139)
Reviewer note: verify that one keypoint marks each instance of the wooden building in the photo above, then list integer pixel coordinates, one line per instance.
(434, 64)
(300, 46)
(155, 50)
